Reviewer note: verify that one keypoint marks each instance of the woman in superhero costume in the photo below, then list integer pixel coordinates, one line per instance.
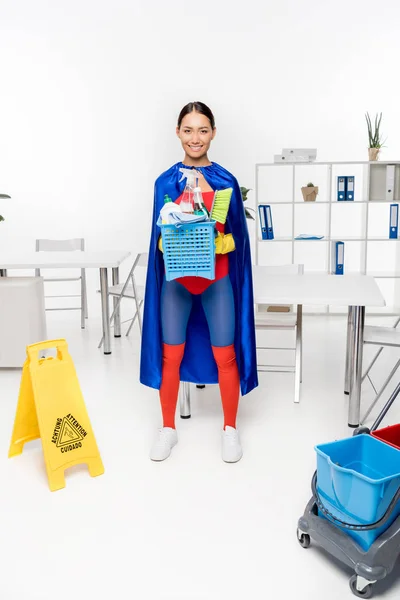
(195, 329)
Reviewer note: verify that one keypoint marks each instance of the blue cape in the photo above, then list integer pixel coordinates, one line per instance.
(198, 342)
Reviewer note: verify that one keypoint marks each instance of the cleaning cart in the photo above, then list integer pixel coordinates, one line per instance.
(354, 511)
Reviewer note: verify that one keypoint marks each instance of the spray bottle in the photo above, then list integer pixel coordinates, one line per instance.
(187, 205)
(168, 208)
(198, 202)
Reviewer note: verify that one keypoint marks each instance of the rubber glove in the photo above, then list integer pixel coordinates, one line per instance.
(224, 243)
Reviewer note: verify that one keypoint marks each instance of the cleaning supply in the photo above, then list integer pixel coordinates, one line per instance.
(198, 202)
(220, 206)
(187, 205)
(179, 219)
(168, 209)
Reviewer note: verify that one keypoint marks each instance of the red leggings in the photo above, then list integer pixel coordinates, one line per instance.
(228, 377)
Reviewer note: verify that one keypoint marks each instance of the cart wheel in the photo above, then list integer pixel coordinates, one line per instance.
(304, 539)
(365, 593)
(360, 430)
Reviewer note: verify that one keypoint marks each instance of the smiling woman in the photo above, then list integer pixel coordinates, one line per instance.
(196, 329)
(196, 130)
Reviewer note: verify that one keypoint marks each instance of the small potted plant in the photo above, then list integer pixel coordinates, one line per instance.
(374, 137)
(3, 196)
(310, 192)
(244, 191)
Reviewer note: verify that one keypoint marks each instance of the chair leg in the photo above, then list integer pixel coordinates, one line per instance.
(393, 371)
(371, 382)
(137, 314)
(184, 399)
(131, 325)
(372, 364)
(138, 304)
(85, 294)
(82, 304)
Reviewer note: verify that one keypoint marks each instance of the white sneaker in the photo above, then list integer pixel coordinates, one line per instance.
(166, 440)
(231, 448)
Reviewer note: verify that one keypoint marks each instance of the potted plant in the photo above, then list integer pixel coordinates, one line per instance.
(244, 191)
(310, 192)
(3, 196)
(374, 137)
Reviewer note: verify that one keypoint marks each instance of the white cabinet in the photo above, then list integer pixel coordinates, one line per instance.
(362, 223)
(22, 318)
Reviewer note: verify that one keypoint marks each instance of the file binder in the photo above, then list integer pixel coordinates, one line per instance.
(341, 188)
(267, 230)
(337, 257)
(394, 221)
(270, 229)
(263, 222)
(390, 173)
(350, 187)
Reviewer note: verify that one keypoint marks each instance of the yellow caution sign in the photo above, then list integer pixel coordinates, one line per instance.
(51, 406)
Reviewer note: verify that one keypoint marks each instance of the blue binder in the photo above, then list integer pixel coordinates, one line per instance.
(350, 187)
(394, 221)
(267, 230)
(270, 229)
(337, 257)
(341, 188)
(263, 222)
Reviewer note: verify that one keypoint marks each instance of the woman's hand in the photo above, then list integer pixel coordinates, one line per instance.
(224, 243)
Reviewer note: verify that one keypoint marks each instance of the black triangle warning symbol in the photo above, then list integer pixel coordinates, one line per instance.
(68, 434)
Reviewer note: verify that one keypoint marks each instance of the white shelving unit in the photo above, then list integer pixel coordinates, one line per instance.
(362, 224)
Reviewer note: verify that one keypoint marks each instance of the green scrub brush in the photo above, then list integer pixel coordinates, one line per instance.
(220, 206)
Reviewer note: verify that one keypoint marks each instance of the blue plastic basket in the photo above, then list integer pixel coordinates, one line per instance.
(189, 250)
(357, 478)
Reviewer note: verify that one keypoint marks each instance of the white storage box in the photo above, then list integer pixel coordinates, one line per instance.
(22, 318)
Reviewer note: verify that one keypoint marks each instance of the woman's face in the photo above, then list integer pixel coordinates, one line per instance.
(195, 134)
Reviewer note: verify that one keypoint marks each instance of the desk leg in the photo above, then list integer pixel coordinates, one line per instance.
(355, 367)
(348, 352)
(117, 314)
(105, 310)
(299, 354)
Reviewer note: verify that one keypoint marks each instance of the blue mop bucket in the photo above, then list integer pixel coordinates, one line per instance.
(189, 250)
(357, 479)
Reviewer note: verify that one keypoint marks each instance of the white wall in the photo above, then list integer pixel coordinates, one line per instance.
(90, 91)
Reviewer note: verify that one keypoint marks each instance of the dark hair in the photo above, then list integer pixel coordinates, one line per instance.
(199, 107)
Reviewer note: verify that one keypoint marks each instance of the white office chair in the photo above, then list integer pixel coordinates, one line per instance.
(76, 244)
(274, 321)
(267, 321)
(130, 289)
(388, 337)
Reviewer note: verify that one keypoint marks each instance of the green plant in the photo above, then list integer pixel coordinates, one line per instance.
(244, 191)
(3, 196)
(374, 134)
(310, 184)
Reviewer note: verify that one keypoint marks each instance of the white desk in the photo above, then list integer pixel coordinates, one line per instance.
(354, 291)
(70, 260)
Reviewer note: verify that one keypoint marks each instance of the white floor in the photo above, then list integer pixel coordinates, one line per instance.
(192, 527)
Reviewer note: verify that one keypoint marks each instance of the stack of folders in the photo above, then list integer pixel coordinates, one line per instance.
(267, 230)
(345, 188)
(337, 257)
(394, 221)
